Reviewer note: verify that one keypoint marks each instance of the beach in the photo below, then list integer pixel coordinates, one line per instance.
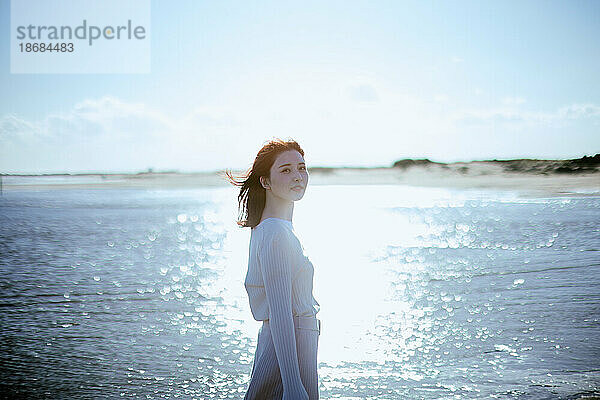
(461, 175)
(451, 210)
(476, 280)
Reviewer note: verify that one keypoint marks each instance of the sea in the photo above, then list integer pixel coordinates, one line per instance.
(425, 293)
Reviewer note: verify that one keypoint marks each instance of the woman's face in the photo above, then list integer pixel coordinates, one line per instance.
(289, 176)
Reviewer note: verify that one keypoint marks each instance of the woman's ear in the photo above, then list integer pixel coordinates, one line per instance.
(264, 181)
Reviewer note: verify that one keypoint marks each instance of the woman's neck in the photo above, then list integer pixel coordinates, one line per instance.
(281, 211)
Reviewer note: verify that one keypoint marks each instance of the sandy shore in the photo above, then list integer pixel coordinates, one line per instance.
(472, 175)
(476, 177)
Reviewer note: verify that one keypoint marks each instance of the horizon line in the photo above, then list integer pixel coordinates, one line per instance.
(151, 170)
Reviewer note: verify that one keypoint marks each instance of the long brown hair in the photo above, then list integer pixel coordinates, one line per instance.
(252, 197)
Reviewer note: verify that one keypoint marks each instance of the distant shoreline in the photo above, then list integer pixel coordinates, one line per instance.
(529, 177)
(585, 164)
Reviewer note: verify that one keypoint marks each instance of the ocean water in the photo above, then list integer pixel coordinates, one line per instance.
(425, 293)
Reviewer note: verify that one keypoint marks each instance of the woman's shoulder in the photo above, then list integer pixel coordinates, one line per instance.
(275, 230)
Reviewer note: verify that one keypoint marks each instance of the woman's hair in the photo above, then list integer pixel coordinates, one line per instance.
(252, 195)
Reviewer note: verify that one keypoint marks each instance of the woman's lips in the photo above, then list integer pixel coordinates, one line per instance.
(298, 188)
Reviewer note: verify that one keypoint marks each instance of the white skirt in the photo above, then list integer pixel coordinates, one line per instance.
(265, 380)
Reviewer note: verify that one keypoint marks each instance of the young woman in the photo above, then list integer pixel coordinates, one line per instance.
(279, 281)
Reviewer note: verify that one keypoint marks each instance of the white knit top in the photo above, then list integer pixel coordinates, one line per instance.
(279, 283)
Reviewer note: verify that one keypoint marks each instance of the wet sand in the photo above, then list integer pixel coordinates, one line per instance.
(461, 175)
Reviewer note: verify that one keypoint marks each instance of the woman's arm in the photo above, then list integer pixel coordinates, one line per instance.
(276, 262)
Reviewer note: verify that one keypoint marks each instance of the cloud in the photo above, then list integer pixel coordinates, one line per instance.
(108, 133)
(13, 128)
(579, 111)
(111, 117)
(106, 117)
(485, 117)
(520, 118)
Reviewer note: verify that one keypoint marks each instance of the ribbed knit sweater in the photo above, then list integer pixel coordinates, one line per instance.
(279, 283)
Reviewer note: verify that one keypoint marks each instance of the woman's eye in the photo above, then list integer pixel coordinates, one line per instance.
(285, 170)
(303, 168)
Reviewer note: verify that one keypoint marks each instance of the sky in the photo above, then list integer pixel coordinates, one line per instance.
(356, 83)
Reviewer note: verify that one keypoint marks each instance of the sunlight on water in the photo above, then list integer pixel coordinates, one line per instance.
(424, 293)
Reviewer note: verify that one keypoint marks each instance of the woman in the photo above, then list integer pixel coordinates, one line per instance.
(279, 281)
